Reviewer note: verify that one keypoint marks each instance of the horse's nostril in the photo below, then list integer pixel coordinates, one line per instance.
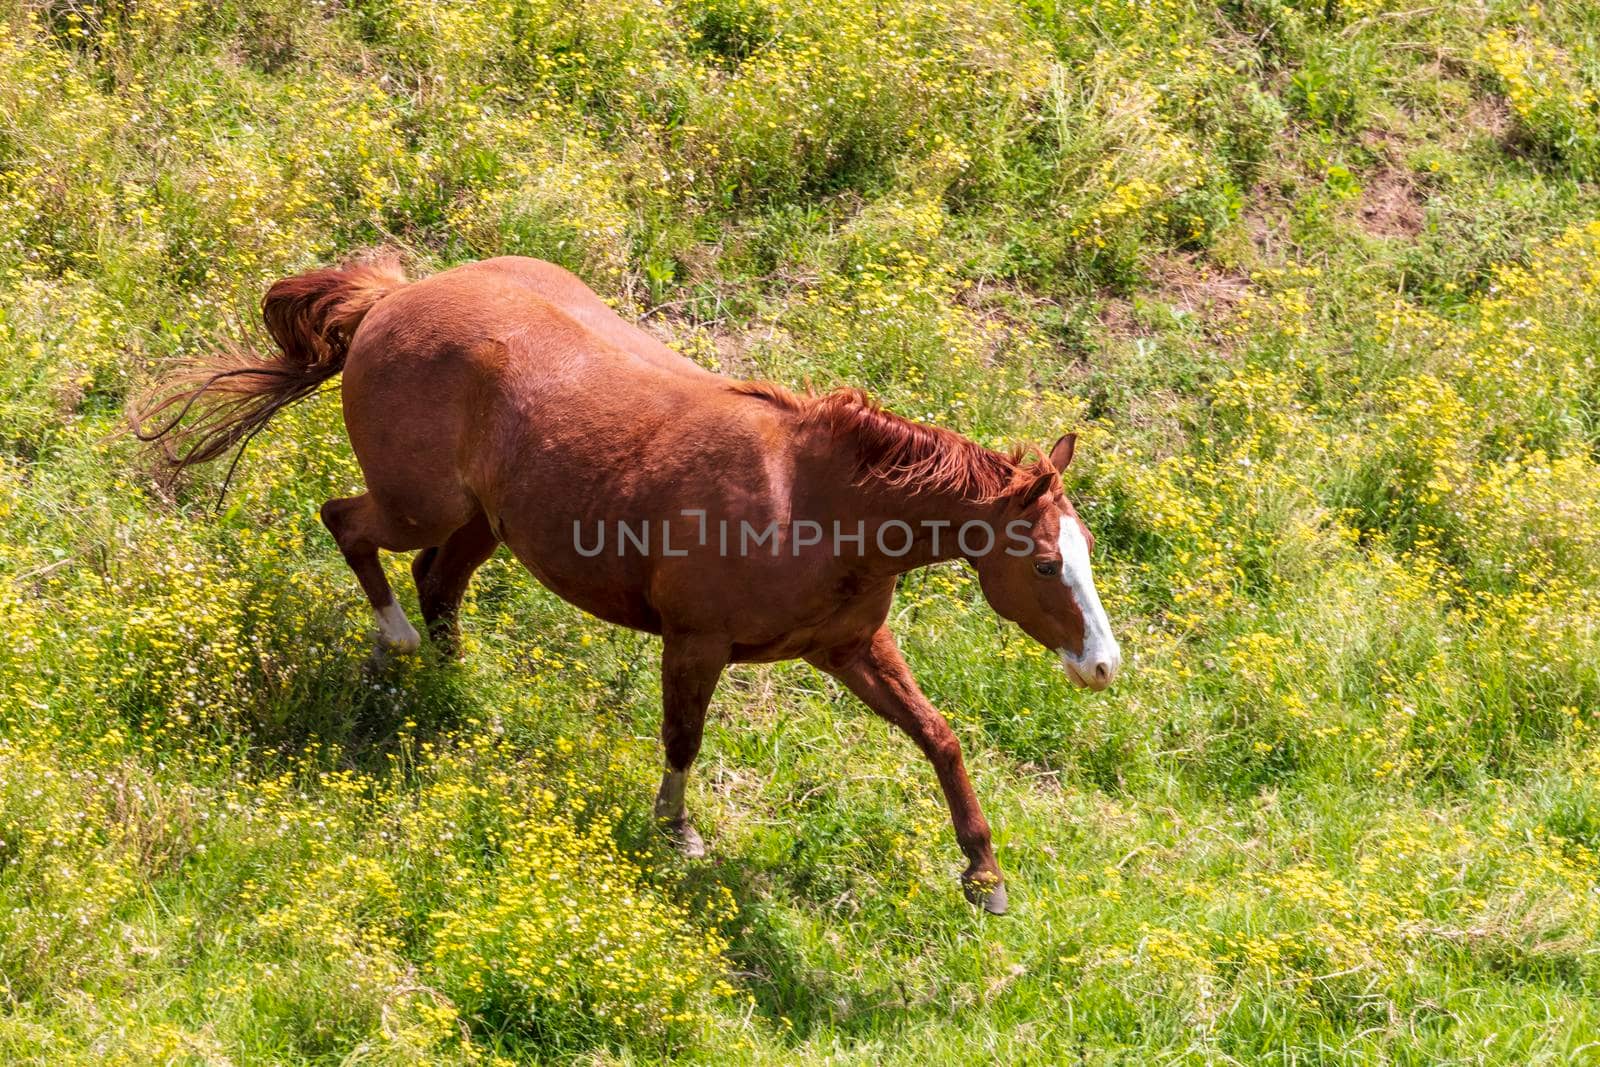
(1102, 673)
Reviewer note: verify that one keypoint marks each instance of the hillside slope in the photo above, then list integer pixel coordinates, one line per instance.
(1318, 284)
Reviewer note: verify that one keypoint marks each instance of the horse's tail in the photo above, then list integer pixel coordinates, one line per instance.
(232, 394)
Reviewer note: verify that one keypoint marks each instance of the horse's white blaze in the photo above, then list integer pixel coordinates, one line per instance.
(1099, 647)
(396, 630)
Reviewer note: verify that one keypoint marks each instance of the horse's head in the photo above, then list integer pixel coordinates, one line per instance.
(1049, 590)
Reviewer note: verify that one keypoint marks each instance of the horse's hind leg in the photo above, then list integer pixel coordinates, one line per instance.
(442, 575)
(420, 564)
(361, 528)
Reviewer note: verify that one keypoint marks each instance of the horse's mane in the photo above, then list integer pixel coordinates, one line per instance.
(897, 451)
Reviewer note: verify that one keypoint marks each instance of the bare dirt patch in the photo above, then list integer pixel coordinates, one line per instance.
(1187, 285)
(1391, 204)
(727, 348)
(1190, 284)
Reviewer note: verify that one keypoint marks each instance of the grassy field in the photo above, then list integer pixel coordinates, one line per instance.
(1318, 283)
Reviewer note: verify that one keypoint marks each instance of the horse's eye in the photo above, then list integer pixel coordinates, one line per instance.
(1047, 570)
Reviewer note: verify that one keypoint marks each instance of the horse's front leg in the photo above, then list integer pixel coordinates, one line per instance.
(690, 667)
(877, 673)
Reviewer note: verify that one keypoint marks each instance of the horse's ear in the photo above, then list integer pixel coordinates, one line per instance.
(1042, 483)
(1061, 454)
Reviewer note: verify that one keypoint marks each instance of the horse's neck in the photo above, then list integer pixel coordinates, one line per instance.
(947, 476)
(934, 520)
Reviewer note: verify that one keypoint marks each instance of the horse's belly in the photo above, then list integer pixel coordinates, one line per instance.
(763, 617)
(853, 621)
(620, 602)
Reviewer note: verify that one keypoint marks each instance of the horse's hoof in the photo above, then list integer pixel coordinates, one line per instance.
(385, 654)
(403, 645)
(379, 661)
(395, 632)
(447, 640)
(686, 839)
(990, 896)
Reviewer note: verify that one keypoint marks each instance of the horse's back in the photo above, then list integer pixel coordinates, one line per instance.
(505, 380)
(509, 297)
(567, 293)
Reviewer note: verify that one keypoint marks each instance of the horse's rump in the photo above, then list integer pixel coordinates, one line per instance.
(236, 391)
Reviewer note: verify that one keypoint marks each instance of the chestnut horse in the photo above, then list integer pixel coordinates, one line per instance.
(504, 401)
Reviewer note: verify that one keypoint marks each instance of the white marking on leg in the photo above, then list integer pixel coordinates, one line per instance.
(1097, 664)
(669, 799)
(395, 630)
(672, 816)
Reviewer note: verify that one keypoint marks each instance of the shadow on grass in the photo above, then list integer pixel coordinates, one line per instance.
(797, 993)
(319, 700)
(340, 707)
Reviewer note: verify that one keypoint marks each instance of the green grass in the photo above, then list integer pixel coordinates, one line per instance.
(1318, 284)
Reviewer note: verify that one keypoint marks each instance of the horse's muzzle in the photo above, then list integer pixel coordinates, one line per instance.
(1093, 670)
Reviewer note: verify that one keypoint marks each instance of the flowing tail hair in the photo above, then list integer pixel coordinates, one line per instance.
(234, 393)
